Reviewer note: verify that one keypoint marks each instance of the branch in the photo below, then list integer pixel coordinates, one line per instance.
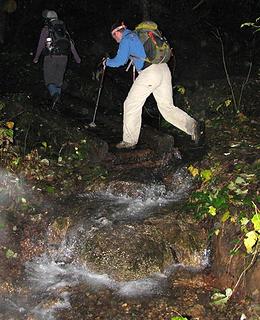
(218, 36)
(247, 268)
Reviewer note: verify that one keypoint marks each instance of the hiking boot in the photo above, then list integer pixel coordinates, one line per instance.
(125, 145)
(198, 135)
(55, 100)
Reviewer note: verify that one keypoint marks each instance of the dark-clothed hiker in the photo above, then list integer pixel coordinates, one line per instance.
(56, 45)
(152, 79)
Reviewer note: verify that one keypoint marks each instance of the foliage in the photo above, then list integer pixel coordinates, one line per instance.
(254, 25)
(6, 133)
(234, 104)
(179, 318)
(219, 298)
(228, 203)
(234, 202)
(10, 254)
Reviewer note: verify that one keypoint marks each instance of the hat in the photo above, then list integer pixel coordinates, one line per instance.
(49, 14)
(118, 26)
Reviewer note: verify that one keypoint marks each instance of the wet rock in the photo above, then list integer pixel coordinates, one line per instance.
(228, 269)
(197, 311)
(158, 141)
(134, 251)
(58, 229)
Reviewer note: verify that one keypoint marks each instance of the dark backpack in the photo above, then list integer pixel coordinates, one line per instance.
(156, 46)
(60, 44)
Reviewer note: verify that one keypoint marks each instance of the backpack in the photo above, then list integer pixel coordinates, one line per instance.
(60, 39)
(156, 46)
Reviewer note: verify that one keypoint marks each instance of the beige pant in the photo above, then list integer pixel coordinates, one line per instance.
(155, 79)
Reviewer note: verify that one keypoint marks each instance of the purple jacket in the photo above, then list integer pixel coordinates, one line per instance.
(41, 45)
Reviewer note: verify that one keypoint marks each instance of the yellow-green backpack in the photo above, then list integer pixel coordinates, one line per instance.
(156, 46)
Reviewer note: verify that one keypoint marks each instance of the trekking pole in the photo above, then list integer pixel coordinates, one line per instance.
(92, 124)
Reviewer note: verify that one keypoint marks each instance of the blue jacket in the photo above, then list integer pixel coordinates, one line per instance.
(130, 47)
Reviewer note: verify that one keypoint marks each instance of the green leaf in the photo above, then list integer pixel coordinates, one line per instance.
(244, 221)
(44, 143)
(219, 298)
(232, 186)
(206, 175)
(240, 192)
(10, 254)
(50, 189)
(178, 318)
(219, 202)
(240, 180)
(256, 221)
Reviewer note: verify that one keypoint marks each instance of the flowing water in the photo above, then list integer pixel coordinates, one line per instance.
(49, 279)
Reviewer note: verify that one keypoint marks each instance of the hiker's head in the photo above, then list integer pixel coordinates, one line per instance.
(117, 30)
(49, 15)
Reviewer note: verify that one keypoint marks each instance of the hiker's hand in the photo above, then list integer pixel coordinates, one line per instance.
(35, 60)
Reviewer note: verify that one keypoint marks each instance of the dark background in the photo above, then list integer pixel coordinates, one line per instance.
(188, 25)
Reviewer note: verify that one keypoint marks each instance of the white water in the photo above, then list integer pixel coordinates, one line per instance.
(50, 276)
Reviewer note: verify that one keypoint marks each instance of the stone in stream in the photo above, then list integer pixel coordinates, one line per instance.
(136, 250)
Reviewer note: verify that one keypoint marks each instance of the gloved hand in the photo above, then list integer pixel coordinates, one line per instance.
(97, 75)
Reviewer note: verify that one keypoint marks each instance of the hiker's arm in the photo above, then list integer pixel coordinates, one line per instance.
(74, 52)
(121, 57)
(41, 43)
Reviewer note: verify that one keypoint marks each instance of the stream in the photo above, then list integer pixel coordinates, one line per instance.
(51, 279)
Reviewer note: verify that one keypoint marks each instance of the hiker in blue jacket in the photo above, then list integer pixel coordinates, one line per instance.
(152, 78)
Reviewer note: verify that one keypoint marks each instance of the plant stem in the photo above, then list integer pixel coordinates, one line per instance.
(218, 36)
(247, 268)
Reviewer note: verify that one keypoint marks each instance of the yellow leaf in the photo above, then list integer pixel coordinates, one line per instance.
(217, 232)
(227, 102)
(10, 124)
(256, 221)
(225, 216)
(44, 143)
(233, 219)
(250, 240)
(212, 210)
(242, 117)
(194, 171)
(244, 221)
(181, 89)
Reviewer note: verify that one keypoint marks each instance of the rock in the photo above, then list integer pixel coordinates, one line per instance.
(58, 230)
(158, 141)
(136, 250)
(228, 269)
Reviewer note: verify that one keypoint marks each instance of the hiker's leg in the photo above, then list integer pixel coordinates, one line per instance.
(163, 97)
(142, 87)
(59, 70)
(54, 68)
(47, 74)
(52, 88)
